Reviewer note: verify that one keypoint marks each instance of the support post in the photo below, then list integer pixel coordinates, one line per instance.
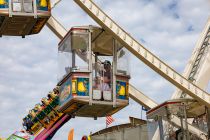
(90, 69)
(10, 8)
(187, 135)
(73, 59)
(114, 72)
(35, 8)
(160, 124)
(208, 121)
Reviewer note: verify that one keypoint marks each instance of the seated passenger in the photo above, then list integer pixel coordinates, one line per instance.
(52, 95)
(27, 123)
(39, 107)
(107, 75)
(100, 85)
(45, 101)
(33, 113)
(56, 90)
(103, 81)
(107, 72)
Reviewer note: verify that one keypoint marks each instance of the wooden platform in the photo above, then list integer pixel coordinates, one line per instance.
(79, 106)
(20, 25)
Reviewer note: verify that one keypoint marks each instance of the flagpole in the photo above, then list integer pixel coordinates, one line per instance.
(141, 111)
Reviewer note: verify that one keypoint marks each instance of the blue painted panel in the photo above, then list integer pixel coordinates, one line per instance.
(83, 86)
(42, 5)
(121, 90)
(4, 3)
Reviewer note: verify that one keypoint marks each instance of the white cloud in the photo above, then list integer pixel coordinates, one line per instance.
(28, 66)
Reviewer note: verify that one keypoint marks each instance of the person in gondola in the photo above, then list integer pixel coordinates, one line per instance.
(27, 123)
(107, 75)
(52, 95)
(104, 77)
(56, 90)
(103, 80)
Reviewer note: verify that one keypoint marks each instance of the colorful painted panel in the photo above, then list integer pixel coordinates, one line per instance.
(20, 136)
(82, 86)
(121, 90)
(13, 137)
(65, 92)
(4, 4)
(43, 5)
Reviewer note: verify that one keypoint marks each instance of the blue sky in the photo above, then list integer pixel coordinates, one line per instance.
(28, 67)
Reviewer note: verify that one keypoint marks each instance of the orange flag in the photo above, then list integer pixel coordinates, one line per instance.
(71, 135)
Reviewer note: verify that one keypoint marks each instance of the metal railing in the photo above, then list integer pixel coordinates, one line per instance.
(27, 7)
(22, 7)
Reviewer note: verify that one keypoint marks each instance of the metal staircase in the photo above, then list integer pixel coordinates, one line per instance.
(197, 63)
(200, 56)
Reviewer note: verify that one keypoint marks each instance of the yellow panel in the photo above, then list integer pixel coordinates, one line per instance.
(74, 88)
(81, 87)
(2, 2)
(43, 3)
(122, 91)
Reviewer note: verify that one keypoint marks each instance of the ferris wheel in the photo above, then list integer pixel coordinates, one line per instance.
(94, 76)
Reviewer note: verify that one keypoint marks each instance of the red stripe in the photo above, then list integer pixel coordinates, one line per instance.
(109, 120)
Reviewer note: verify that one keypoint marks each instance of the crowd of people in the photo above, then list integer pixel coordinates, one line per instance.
(32, 117)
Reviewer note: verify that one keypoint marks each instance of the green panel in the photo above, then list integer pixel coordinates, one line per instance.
(54, 103)
(41, 115)
(13, 137)
(35, 120)
(47, 110)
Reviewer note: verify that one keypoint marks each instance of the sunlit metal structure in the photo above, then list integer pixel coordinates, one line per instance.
(78, 91)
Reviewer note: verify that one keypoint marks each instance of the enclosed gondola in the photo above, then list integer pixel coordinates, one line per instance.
(23, 17)
(93, 73)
